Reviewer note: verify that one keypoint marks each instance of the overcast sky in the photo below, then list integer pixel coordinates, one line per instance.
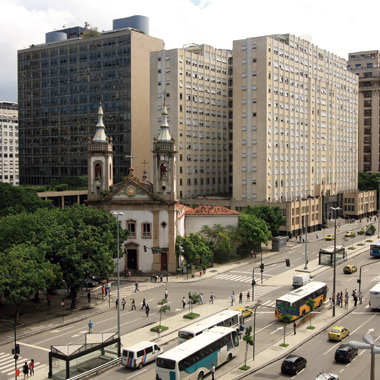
(338, 26)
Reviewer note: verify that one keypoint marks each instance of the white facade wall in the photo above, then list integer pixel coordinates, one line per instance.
(194, 223)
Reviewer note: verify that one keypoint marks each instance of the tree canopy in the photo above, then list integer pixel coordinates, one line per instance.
(271, 215)
(368, 181)
(194, 247)
(253, 229)
(16, 199)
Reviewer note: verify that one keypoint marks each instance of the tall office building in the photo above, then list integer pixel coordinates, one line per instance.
(9, 171)
(60, 84)
(295, 131)
(193, 82)
(366, 65)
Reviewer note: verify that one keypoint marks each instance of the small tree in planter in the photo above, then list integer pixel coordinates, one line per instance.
(193, 299)
(361, 233)
(286, 319)
(248, 339)
(311, 303)
(352, 236)
(163, 309)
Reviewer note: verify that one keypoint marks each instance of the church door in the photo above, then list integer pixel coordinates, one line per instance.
(164, 260)
(132, 259)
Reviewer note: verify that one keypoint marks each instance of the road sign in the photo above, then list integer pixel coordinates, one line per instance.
(62, 303)
(287, 309)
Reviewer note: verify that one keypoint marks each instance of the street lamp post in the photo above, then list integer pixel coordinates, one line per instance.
(334, 273)
(306, 260)
(117, 214)
(15, 351)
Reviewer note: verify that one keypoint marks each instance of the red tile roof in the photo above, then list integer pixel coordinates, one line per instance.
(211, 210)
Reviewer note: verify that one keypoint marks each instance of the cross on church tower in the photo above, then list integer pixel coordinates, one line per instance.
(144, 163)
(131, 156)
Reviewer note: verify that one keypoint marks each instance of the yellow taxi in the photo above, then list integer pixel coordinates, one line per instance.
(246, 312)
(349, 268)
(339, 333)
(330, 237)
(348, 234)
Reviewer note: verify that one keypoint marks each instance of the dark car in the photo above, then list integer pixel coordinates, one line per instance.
(369, 232)
(293, 364)
(345, 353)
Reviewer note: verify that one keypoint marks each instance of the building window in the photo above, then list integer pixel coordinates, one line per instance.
(146, 230)
(131, 227)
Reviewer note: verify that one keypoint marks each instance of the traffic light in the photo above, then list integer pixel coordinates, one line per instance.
(253, 282)
(287, 261)
(16, 350)
(359, 281)
(262, 266)
(144, 248)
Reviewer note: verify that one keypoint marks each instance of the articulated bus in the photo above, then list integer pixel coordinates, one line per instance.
(374, 297)
(193, 359)
(297, 298)
(226, 318)
(374, 249)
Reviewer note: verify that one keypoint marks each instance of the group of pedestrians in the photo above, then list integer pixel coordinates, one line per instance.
(344, 298)
(28, 369)
(248, 295)
(154, 277)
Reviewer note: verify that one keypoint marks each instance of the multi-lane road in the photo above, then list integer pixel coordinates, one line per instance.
(268, 329)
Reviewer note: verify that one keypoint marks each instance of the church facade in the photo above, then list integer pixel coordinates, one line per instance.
(149, 210)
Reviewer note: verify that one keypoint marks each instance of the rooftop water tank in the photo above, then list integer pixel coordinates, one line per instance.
(55, 36)
(136, 22)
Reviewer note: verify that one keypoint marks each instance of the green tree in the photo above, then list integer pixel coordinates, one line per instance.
(371, 228)
(193, 299)
(286, 319)
(352, 236)
(248, 339)
(271, 215)
(163, 307)
(361, 233)
(25, 271)
(16, 199)
(91, 32)
(194, 247)
(253, 230)
(311, 303)
(368, 181)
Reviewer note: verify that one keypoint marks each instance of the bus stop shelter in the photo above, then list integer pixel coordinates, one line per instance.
(87, 353)
(326, 255)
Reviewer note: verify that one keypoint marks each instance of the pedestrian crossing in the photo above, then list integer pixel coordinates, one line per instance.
(229, 277)
(259, 292)
(7, 365)
(130, 290)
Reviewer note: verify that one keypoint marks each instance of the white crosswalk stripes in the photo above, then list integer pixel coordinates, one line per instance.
(130, 290)
(233, 278)
(259, 292)
(7, 364)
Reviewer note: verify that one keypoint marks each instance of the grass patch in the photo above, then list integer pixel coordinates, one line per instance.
(369, 241)
(245, 368)
(284, 345)
(361, 244)
(191, 315)
(310, 327)
(155, 328)
(351, 247)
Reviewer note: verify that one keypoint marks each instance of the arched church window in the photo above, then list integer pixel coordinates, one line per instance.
(110, 171)
(98, 171)
(164, 171)
(131, 227)
(146, 230)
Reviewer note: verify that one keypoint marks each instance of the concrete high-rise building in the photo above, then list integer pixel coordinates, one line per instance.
(295, 130)
(60, 84)
(193, 82)
(366, 65)
(9, 170)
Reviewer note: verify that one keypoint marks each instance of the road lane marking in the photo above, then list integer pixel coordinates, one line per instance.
(279, 328)
(33, 346)
(140, 372)
(123, 324)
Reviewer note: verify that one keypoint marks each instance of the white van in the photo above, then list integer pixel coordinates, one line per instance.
(140, 353)
(301, 279)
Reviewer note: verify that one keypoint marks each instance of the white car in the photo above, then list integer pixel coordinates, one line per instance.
(327, 376)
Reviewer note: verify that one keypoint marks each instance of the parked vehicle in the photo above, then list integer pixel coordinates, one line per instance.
(139, 354)
(326, 376)
(345, 353)
(90, 282)
(293, 364)
(301, 279)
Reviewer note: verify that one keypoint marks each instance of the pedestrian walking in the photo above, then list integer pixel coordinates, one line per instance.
(360, 298)
(355, 300)
(353, 294)
(161, 276)
(116, 303)
(212, 297)
(241, 297)
(143, 304)
(232, 298)
(295, 328)
(103, 290)
(48, 299)
(136, 287)
(158, 333)
(25, 370)
(147, 309)
(341, 299)
(201, 298)
(204, 269)
(213, 372)
(317, 235)
(338, 299)
(248, 296)
(133, 304)
(152, 276)
(183, 302)
(346, 302)
(31, 367)
(331, 303)
(90, 325)
(89, 297)
(166, 294)
(106, 291)
(123, 302)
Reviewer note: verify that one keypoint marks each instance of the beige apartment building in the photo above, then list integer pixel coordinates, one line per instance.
(295, 130)
(193, 83)
(366, 65)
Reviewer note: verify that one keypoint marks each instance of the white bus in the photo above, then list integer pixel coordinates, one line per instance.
(193, 359)
(374, 297)
(226, 318)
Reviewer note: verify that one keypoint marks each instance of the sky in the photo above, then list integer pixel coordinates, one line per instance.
(340, 27)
